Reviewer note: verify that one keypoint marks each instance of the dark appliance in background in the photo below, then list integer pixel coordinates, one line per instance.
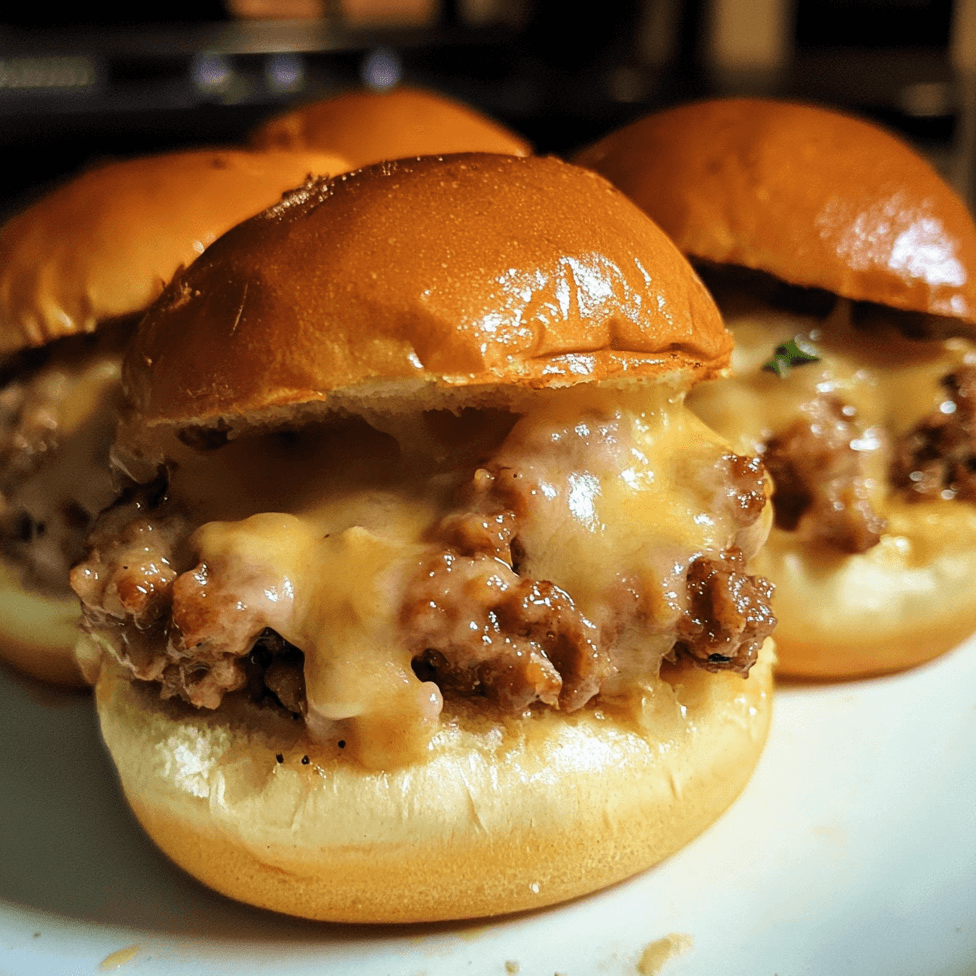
(888, 59)
(77, 85)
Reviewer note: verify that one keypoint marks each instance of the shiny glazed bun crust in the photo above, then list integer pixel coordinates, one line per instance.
(503, 816)
(104, 244)
(367, 127)
(440, 278)
(810, 196)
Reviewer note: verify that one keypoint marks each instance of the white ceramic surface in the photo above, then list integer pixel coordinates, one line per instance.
(852, 853)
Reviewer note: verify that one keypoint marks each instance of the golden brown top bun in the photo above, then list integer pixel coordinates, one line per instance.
(808, 195)
(441, 276)
(367, 127)
(103, 245)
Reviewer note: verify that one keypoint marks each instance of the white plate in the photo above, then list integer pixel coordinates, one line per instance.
(853, 851)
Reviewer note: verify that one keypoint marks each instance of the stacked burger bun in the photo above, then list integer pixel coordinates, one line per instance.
(844, 266)
(429, 598)
(77, 268)
(369, 126)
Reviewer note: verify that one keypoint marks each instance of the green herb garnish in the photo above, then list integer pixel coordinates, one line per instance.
(789, 354)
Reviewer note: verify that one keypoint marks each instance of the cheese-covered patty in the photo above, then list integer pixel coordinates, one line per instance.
(866, 420)
(58, 409)
(357, 576)
(860, 413)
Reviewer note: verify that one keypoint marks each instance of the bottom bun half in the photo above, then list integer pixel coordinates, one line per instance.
(903, 602)
(38, 631)
(504, 815)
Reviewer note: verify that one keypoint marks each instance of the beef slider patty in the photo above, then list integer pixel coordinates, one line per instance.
(844, 266)
(77, 268)
(434, 602)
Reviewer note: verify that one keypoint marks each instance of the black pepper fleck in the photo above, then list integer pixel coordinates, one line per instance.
(280, 757)
(342, 743)
(305, 760)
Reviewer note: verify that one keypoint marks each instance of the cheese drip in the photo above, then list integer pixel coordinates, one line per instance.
(335, 597)
(319, 534)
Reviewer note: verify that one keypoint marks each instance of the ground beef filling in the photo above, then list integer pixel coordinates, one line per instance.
(471, 622)
(477, 628)
(937, 458)
(820, 485)
(45, 515)
(728, 616)
(821, 488)
(820, 479)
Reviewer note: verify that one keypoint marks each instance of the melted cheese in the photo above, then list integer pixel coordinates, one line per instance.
(629, 493)
(85, 424)
(335, 596)
(891, 381)
(321, 532)
(82, 397)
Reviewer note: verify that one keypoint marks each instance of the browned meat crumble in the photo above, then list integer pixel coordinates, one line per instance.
(937, 458)
(728, 616)
(820, 486)
(474, 625)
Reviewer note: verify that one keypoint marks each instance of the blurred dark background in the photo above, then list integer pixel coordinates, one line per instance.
(90, 81)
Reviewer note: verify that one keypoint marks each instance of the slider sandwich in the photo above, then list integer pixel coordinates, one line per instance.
(844, 266)
(429, 598)
(369, 126)
(77, 268)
